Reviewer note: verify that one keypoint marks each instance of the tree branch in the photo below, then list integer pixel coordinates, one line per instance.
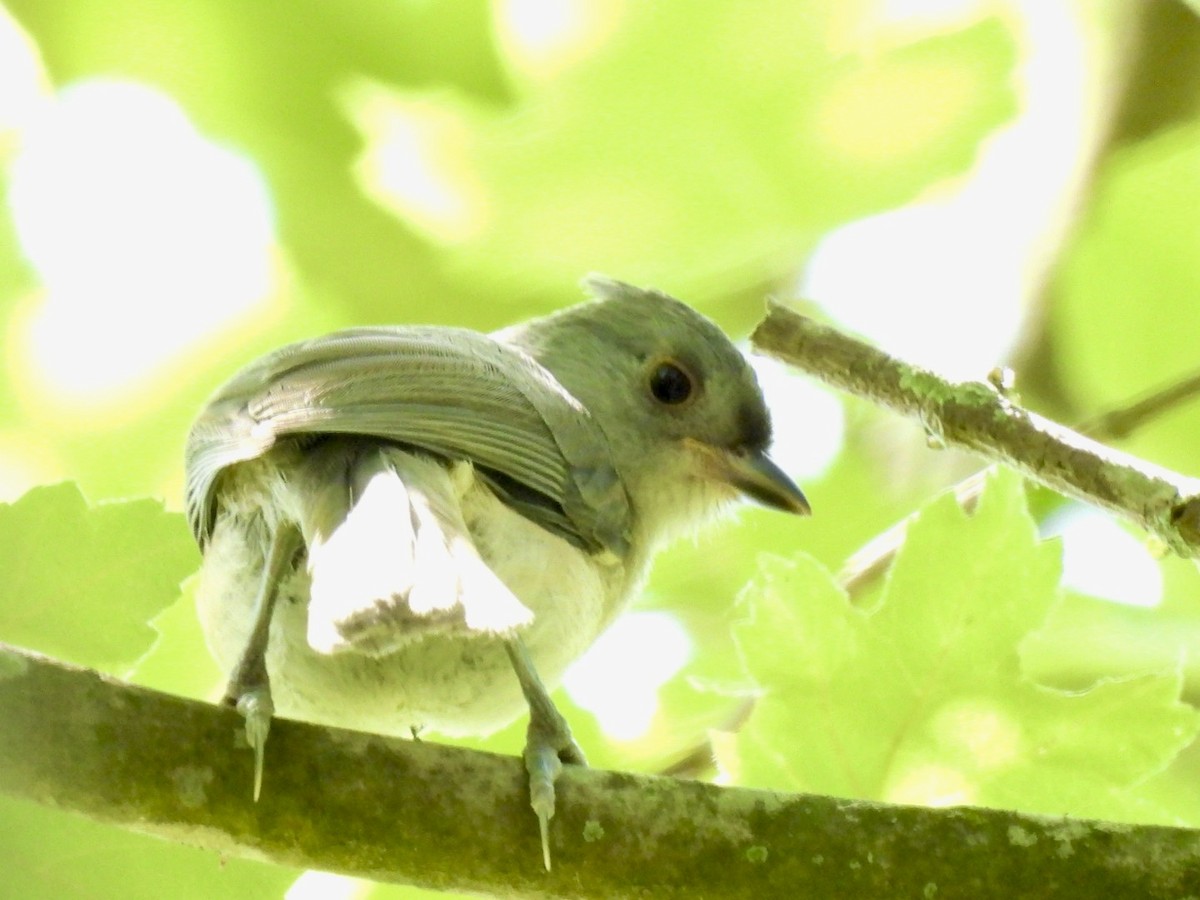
(866, 565)
(449, 818)
(977, 417)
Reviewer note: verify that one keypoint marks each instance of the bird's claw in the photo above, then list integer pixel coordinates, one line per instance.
(543, 765)
(548, 745)
(256, 708)
(548, 742)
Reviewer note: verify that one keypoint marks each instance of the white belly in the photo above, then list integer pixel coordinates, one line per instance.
(456, 684)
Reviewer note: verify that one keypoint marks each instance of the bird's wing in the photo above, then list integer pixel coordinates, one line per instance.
(455, 393)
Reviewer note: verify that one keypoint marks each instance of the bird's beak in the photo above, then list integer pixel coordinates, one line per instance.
(756, 476)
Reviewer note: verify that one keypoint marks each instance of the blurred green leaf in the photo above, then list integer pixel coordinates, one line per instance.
(48, 853)
(179, 662)
(1129, 283)
(1084, 636)
(263, 77)
(81, 583)
(922, 698)
(714, 161)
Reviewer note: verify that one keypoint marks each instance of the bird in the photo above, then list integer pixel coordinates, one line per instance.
(395, 521)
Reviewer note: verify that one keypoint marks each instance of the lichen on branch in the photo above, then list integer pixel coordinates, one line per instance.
(977, 417)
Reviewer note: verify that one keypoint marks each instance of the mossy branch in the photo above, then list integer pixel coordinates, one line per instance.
(977, 417)
(455, 819)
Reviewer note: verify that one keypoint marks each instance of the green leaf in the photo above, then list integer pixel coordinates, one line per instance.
(732, 149)
(922, 699)
(179, 662)
(1127, 289)
(82, 582)
(48, 853)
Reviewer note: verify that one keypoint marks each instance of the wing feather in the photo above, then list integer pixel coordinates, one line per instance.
(452, 392)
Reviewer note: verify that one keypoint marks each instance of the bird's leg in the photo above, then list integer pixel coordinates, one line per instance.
(548, 742)
(249, 688)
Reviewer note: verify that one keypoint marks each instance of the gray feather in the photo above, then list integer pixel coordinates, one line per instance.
(452, 392)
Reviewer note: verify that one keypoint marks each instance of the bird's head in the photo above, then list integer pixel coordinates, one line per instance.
(684, 415)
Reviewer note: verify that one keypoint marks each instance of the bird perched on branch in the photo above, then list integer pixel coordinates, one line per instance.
(394, 520)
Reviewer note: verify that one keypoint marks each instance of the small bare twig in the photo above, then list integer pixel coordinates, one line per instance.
(1123, 421)
(977, 417)
(869, 562)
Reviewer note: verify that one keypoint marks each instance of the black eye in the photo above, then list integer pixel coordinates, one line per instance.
(670, 384)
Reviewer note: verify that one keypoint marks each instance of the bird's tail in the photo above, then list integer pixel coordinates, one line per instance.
(390, 556)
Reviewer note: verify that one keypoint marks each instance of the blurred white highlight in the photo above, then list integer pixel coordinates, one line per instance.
(541, 38)
(1103, 560)
(942, 282)
(23, 84)
(618, 679)
(808, 420)
(146, 236)
(328, 886)
(417, 160)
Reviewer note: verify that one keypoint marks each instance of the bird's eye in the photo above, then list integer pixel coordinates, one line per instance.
(670, 384)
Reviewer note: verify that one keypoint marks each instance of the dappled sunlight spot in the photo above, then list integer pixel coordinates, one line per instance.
(808, 420)
(938, 312)
(870, 27)
(541, 39)
(23, 82)
(70, 372)
(932, 785)
(978, 731)
(942, 283)
(880, 114)
(973, 741)
(146, 236)
(618, 678)
(329, 886)
(932, 14)
(1103, 560)
(416, 163)
(726, 756)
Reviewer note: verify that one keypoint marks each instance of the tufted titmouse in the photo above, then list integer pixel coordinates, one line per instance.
(394, 518)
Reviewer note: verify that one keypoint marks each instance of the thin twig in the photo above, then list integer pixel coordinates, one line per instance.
(867, 564)
(1124, 420)
(977, 417)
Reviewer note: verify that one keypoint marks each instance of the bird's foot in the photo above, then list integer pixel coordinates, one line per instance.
(256, 708)
(548, 745)
(249, 688)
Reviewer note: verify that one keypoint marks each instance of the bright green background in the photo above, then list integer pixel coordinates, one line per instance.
(706, 150)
